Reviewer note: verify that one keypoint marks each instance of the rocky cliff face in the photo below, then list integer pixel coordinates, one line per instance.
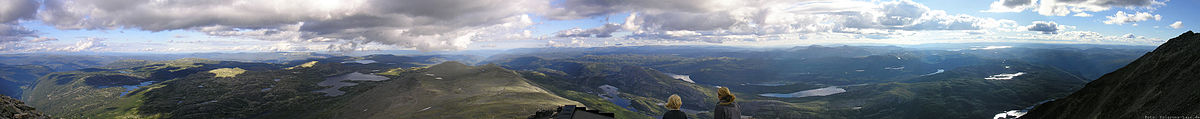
(1162, 83)
(15, 109)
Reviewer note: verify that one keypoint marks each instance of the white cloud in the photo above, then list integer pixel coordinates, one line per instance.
(349, 25)
(1010, 5)
(15, 33)
(682, 33)
(749, 19)
(1121, 18)
(601, 32)
(13, 10)
(902, 22)
(1047, 27)
(1177, 24)
(85, 45)
(43, 39)
(1092, 38)
(1082, 14)
(420, 24)
(40, 45)
(1066, 7)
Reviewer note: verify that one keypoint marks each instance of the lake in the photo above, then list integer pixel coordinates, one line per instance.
(336, 82)
(808, 93)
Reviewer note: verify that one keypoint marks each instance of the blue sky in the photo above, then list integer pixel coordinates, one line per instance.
(355, 25)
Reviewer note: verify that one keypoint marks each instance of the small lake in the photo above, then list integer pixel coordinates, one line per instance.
(361, 61)
(687, 78)
(768, 84)
(612, 94)
(130, 88)
(808, 93)
(935, 72)
(1013, 114)
(1004, 76)
(336, 82)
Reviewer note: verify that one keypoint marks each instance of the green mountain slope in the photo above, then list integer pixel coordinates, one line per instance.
(452, 90)
(197, 88)
(638, 92)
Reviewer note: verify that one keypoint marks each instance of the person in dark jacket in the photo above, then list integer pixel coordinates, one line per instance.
(726, 108)
(673, 104)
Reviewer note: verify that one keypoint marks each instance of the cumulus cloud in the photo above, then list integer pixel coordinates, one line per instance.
(1010, 5)
(1046, 27)
(1121, 18)
(420, 24)
(13, 10)
(578, 9)
(85, 45)
(1177, 24)
(14, 33)
(601, 32)
(348, 25)
(1094, 37)
(718, 21)
(43, 39)
(1066, 7)
(682, 33)
(1082, 14)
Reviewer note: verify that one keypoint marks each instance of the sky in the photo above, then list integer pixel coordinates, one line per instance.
(454, 25)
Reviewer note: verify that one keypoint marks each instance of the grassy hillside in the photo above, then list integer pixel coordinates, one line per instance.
(452, 90)
(644, 88)
(197, 88)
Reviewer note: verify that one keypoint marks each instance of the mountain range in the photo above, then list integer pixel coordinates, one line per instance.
(632, 82)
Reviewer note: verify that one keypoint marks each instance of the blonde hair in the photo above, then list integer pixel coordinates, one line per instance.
(724, 96)
(674, 102)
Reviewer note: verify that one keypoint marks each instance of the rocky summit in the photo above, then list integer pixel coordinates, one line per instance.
(1160, 84)
(15, 109)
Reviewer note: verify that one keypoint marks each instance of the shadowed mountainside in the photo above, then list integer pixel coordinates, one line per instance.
(1160, 83)
(15, 78)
